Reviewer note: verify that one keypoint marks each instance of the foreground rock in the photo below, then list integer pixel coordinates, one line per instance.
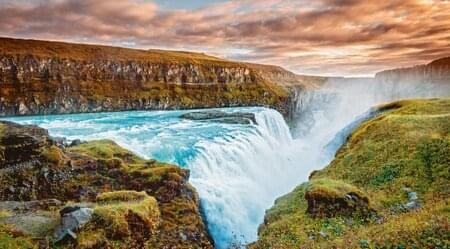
(222, 117)
(117, 200)
(330, 198)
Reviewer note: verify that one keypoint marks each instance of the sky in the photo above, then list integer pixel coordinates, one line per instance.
(321, 37)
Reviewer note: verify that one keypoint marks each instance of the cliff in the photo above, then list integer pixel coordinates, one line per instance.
(437, 71)
(40, 77)
(91, 195)
(386, 188)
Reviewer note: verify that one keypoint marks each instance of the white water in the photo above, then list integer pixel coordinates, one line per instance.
(238, 170)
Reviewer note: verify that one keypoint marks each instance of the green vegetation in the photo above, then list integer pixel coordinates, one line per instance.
(74, 51)
(405, 149)
(117, 219)
(106, 150)
(329, 198)
(10, 238)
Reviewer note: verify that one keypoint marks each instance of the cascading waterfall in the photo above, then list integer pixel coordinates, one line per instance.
(239, 176)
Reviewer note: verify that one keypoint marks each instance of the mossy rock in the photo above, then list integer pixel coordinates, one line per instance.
(138, 203)
(119, 217)
(330, 198)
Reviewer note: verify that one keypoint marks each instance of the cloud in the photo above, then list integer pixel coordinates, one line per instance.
(328, 37)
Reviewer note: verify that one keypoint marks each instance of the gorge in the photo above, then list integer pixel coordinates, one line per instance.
(238, 169)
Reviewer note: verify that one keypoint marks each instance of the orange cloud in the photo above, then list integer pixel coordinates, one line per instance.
(327, 37)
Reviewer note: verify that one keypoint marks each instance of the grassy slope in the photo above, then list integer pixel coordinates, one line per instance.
(408, 146)
(49, 49)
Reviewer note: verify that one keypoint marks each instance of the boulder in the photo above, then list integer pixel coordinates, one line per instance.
(330, 198)
(72, 218)
(76, 142)
(222, 117)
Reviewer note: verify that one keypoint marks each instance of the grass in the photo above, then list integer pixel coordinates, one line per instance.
(114, 214)
(122, 195)
(88, 52)
(10, 238)
(406, 147)
(119, 217)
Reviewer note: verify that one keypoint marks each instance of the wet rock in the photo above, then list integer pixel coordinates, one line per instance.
(221, 117)
(72, 218)
(413, 201)
(412, 205)
(59, 141)
(412, 196)
(76, 142)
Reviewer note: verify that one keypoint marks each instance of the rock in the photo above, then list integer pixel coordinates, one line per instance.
(323, 234)
(72, 218)
(329, 198)
(29, 205)
(22, 144)
(221, 117)
(75, 142)
(59, 141)
(412, 196)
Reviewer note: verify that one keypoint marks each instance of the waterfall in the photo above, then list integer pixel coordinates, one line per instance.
(238, 176)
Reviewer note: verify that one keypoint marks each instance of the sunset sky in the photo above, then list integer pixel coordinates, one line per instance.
(323, 37)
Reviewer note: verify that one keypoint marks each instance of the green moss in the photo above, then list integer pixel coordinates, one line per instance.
(53, 154)
(123, 195)
(106, 150)
(114, 214)
(332, 188)
(407, 146)
(89, 239)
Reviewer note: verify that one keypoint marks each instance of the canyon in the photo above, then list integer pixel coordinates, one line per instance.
(272, 129)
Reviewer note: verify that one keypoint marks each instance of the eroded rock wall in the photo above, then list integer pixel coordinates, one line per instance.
(53, 80)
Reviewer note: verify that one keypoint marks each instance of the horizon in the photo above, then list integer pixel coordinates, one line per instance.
(324, 38)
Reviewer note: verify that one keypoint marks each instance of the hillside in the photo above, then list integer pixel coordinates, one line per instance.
(388, 187)
(41, 77)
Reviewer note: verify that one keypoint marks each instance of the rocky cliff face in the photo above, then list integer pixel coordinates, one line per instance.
(48, 78)
(437, 71)
(128, 202)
